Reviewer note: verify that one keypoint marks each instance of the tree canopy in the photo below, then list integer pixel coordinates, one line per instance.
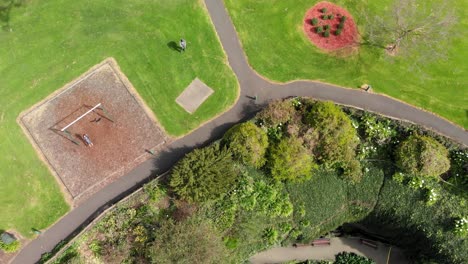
(337, 138)
(248, 143)
(203, 174)
(289, 160)
(422, 155)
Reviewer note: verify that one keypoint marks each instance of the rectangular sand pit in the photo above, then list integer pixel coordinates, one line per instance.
(118, 146)
(194, 95)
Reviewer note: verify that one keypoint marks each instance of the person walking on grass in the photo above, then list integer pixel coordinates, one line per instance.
(183, 45)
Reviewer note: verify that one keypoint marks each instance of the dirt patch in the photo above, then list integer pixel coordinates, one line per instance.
(346, 41)
(122, 131)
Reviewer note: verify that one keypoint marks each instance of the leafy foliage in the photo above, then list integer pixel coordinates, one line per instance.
(189, 241)
(11, 247)
(337, 137)
(422, 155)
(277, 113)
(425, 232)
(289, 160)
(247, 143)
(351, 258)
(203, 174)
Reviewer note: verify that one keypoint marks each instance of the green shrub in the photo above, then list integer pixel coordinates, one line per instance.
(331, 16)
(289, 160)
(203, 174)
(352, 171)
(324, 17)
(326, 27)
(343, 19)
(189, 241)
(326, 33)
(277, 113)
(461, 227)
(340, 26)
(351, 258)
(314, 21)
(247, 143)
(319, 29)
(11, 247)
(96, 247)
(337, 140)
(270, 235)
(422, 155)
(338, 32)
(323, 10)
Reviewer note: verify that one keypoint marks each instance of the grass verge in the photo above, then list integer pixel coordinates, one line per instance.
(51, 43)
(277, 48)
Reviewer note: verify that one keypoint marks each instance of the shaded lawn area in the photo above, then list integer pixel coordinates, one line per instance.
(277, 48)
(53, 42)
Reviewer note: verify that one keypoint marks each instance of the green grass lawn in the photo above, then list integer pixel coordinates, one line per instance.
(272, 36)
(53, 42)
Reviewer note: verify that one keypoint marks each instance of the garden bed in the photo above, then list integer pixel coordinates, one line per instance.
(326, 17)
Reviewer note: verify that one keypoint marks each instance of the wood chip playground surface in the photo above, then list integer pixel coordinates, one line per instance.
(123, 132)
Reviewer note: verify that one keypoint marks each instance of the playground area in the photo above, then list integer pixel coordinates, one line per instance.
(102, 108)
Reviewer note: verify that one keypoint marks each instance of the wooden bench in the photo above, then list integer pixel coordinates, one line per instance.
(321, 242)
(369, 243)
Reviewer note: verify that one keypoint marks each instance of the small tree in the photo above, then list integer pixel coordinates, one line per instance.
(277, 112)
(248, 143)
(289, 160)
(337, 138)
(203, 174)
(422, 155)
(419, 28)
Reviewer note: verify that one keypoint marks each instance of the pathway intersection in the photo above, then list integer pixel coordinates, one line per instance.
(251, 85)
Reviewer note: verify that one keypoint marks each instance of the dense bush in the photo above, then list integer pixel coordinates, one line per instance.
(343, 19)
(314, 21)
(331, 16)
(326, 33)
(422, 155)
(425, 232)
(324, 17)
(319, 29)
(277, 113)
(189, 241)
(289, 160)
(203, 174)
(338, 32)
(351, 258)
(11, 247)
(326, 27)
(337, 139)
(340, 25)
(247, 143)
(323, 10)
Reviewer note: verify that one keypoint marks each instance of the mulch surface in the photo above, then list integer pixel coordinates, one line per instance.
(348, 36)
(118, 147)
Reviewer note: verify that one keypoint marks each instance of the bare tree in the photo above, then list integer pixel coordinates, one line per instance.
(413, 28)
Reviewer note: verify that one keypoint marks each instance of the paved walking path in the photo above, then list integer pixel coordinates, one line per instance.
(251, 84)
(284, 254)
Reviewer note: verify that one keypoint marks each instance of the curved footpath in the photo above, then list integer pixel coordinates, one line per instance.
(250, 85)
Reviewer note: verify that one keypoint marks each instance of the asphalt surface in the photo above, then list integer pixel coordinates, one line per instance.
(251, 85)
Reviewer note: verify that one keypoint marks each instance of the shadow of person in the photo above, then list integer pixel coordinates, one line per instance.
(173, 45)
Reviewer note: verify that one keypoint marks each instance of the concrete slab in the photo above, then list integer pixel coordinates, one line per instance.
(194, 95)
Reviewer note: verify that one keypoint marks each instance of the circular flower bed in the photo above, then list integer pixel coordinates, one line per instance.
(330, 27)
